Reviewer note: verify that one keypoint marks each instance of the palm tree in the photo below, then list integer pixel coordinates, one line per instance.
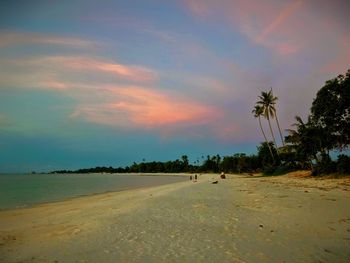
(294, 135)
(275, 115)
(258, 112)
(301, 141)
(267, 102)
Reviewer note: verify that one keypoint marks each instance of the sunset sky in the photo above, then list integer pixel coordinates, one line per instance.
(105, 83)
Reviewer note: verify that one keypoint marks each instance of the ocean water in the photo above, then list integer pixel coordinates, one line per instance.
(21, 190)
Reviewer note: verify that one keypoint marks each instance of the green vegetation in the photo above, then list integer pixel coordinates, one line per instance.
(307, 146)
(310, 143)
(267, 103)
(258, 112)
(238, 163)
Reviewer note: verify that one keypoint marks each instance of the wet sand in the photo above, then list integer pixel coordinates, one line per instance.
(240, 219)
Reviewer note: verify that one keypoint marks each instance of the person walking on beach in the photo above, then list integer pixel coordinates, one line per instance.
(195, 177)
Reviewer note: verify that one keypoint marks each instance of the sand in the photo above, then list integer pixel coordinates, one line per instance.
(240, 219)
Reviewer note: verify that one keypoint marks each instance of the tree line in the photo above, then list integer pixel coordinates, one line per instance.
(307, 146)
(238, 163)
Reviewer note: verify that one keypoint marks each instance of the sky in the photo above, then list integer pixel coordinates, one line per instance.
(106, 83)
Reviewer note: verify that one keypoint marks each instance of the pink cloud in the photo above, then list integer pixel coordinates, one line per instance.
(129, 72)
(47, 71)
(10, 38)
(200, 8)
(258, 21)
(287, 49)
(279, 20)
(287, 27)
(137, 106)
(53, 84)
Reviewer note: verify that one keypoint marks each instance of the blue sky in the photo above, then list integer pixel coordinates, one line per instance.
(92, 83)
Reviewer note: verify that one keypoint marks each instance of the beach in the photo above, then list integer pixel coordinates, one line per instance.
(240, 219)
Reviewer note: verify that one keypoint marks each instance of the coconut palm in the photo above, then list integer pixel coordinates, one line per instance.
(275, 115)
(308, 140)
(258, 112)
(301, 141)
(267, 102)
(294, 135)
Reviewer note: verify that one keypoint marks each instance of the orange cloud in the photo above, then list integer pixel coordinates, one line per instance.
(146, 108)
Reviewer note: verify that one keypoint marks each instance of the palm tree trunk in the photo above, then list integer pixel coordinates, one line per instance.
(262, 130)
(279, 129)
(273, 136)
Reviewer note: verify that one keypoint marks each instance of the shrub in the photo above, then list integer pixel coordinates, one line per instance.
(277, 170)
(343, 164)
(326, 166)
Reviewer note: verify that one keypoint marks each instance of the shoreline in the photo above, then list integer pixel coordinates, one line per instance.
(240, 219)
(68, 199)
(123, 185)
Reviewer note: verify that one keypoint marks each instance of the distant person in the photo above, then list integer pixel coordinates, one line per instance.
(190, 177)
(195, 177)
(223, 176)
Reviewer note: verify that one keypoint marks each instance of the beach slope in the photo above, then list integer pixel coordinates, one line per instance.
(239, 219)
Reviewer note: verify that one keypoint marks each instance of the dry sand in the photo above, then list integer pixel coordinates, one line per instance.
(240, 219)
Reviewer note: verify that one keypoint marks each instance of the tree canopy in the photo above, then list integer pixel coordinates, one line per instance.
(331, 111)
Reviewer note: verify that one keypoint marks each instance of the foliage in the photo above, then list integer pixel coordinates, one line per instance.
(331, 111)
(268, 104)
(265, 158)
(277, 170)
(306, 141)
(237, 163)
(327, 128)
(240, 163)
(326, 166)
(258, 112)
(343, 164)
(211, 164)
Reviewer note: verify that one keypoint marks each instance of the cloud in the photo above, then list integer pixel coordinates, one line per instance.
(152, 108)
(285, 27)
(106, 92)
(109, 100)
(145, 108)
(200, 8)
(284, 48)
(46, 71)
(14, 38)
(262, 23)
(129, 72)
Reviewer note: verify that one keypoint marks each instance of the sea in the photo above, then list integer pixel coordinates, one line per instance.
(23, 190)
